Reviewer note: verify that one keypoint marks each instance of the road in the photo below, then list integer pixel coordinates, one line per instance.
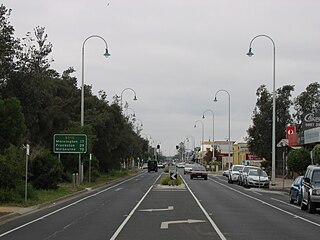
(139, 208)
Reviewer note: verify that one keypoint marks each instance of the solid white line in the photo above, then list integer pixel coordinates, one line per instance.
(268, 204)
(288, 204)
(117, 232)
(65, 207)
(222, 237)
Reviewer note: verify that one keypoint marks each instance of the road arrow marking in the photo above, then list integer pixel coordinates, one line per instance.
(157, 210)
(165, 225)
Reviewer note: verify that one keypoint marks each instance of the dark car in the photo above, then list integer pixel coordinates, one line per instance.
(199, 171)
(152, 166)
(295, 193)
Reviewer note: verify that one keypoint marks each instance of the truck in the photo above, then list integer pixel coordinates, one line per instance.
(152, 166)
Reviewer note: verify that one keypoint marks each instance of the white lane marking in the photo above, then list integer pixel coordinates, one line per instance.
(268, 204)
(117, 232)
(118, 189)
(213, 224)
(65, 207)
(165, 225)
(288, 204)
(170, 208)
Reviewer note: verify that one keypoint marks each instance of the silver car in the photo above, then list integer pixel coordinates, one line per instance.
(243, 174)
(234, 173)
(311, 189)
(257, 178)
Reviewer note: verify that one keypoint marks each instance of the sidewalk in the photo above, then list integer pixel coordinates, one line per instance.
(282, 184)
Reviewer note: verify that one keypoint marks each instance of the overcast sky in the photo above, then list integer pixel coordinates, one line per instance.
(176, 54)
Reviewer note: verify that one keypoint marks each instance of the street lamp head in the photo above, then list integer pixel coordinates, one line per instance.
(250, 53)
(203, 116)
(106, 54)
(215, 99)
(135, 98)
(195, 125)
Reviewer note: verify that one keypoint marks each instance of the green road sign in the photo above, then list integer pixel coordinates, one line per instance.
(70, 143)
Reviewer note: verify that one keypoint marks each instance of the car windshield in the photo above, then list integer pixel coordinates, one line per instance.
(199, 168)
(316, 177)
(237, 168)
(257, 172)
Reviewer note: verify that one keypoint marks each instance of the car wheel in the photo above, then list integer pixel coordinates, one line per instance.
(303, 206)
(191, 177)
(291, 200)
(206, 178)
(311, 206)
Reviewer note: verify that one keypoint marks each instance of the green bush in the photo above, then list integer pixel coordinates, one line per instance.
(167, 181)
(298, 160)
(45, 170)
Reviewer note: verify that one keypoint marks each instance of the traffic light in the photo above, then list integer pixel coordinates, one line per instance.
(158, 146)
(177, 147)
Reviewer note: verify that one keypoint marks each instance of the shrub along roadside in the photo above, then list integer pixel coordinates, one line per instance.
(64, 189)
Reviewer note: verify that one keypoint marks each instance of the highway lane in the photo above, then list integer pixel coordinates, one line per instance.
(95, 215)
(253, 213)
(139, 208)
(168, 213)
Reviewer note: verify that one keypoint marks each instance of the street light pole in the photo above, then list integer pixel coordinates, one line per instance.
(195, 125)
(106, 54)
(250, 54)
(229, 146)
(134, 98)
(209, 110)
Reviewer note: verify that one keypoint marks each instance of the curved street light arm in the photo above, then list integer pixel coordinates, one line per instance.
(209, 110)
(134, 97)
(106, 54)
(229, 140)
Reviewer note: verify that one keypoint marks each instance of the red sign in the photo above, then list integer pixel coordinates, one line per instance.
(252, 157)
(292, 136)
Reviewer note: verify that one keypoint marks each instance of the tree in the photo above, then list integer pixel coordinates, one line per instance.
(8, 47)
(12, 123)
(260, 132)
(316, 154)
(298, 160)
(307, 102)
(11, 173)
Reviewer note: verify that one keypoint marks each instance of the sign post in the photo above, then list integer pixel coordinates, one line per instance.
(70, 143)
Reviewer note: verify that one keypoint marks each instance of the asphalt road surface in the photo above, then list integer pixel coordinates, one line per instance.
(139, 208)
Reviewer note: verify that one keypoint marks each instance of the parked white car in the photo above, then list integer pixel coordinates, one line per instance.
(257, 178)
(234, 173)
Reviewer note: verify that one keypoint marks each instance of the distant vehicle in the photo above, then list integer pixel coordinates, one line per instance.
(160, 165)
(311, 189)
(145, 166)
(187, 168)
(226, 173)
(234, 173)
(181, 165)
(244, 172)
(295, 193)
(152, 166)
(199, 171)
(257, 178)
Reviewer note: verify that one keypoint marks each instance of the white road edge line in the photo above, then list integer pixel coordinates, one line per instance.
(268, 204)
(222, 237)
(117, 232)
(65, 207)
(288, 204)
